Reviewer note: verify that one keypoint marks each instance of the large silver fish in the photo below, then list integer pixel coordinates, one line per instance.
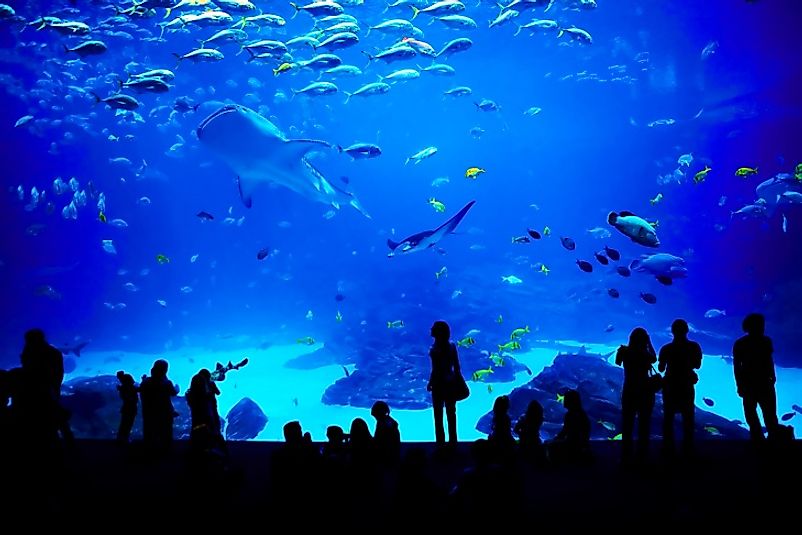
(261, 154)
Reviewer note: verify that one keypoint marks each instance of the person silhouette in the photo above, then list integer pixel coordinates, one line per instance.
(129, 395)
(386, 436)
(528, 430)
(156, 393)
(445, 368)
(571, 444)
(500, 437)
(207, 433)
(753, 366)
(678, 359)
(44, 367)
(637, 399)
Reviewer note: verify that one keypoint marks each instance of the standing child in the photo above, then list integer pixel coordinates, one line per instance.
(129, 394)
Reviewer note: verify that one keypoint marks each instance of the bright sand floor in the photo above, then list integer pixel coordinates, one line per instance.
(276, 388)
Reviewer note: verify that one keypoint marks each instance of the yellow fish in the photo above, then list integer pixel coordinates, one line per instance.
(560, 398)
(546, 231)
(466, 342)
(798, 172)
(509, 346)
(479, 375)
(437, 205)
(517, 333)
(101, 216)
(702, 175)
(474, 172)
(745, 171)
(544, 269)
(619, 436)
(284, 67)
(162, 259)
(497, 359)
(308, 340)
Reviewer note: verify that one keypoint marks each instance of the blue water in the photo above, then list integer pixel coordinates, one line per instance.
(591, 150)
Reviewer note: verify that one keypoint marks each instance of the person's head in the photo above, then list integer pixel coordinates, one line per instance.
(572, 401)
(359, 429)
(501, 405)
(125, 378)
(335, 434)
(534, 411)
(380, 409)
(639, 338)
(293, 434)
(441, 332)
(35, 337)
(680, 328)
(159, 368)
(754, 324)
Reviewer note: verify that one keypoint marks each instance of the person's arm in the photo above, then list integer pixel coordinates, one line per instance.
(697, 356)
(650, 350)
(619, 356)
(663, 360)
(455, 355)
(770, 350)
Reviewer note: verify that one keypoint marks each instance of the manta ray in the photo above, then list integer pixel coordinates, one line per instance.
(261, 154)
(428, 238)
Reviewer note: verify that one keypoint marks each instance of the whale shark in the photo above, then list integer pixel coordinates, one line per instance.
(428, 238)
(261, 154)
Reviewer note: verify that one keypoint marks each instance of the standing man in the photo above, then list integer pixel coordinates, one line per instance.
(678, 359)
(754, 376)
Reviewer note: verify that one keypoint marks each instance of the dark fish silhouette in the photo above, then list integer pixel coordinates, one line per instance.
(709, 402)
(568, 243)
(535, 234)
(601, 258)
(648, 298)
(612, 292)
(787, 416)
(623, 271)
(585, 266)
(206, 216)
(339, 297)
(263, 253)
(665, 280)
(612, 253)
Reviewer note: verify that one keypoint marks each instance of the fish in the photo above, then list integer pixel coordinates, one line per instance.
(568, 243)
(428, 238)
(612, 292)
(262, 253)
(75, 350)
(535, 234)
(206, 216)
(623, 271)
(612, 253)
(261, 154)
(636, 228)
(787, 416)
(648, 298)
(601, 258)
(709, 402)
(585, 266)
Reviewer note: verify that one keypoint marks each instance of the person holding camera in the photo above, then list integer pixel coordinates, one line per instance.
(637, 394)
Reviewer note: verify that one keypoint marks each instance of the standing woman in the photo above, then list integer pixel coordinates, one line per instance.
(637, 398)
(445, 370)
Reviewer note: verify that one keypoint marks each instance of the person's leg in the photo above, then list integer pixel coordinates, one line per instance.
(451, 416)
(439, 431)
(627, 424)
(688, 425)
(768, 407)
(668, 425)
(645, 425)
(752, 420)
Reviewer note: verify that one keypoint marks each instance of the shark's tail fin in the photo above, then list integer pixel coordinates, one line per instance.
(392, 245)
